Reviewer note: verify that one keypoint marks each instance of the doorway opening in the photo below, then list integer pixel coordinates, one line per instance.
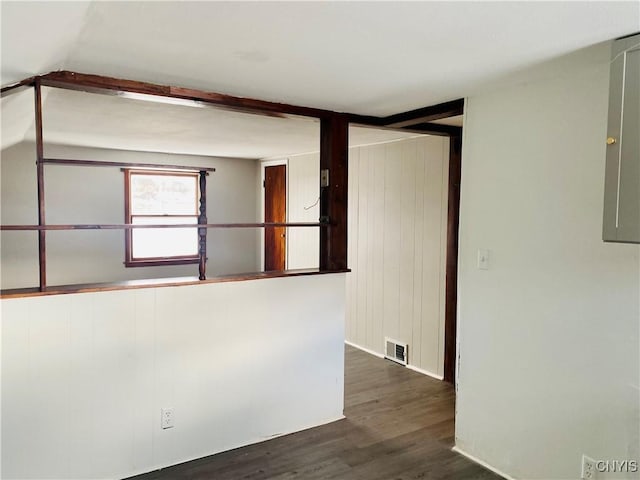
(274, 201)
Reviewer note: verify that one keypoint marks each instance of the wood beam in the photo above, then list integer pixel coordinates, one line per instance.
(130, 226)
(202, 231)
(115, 86)
(426, 114)
(334, 145)
(451, 281)
(156, 283)
(98, 163)
(435, 129)
(17, 87)
(424, 129)
(42, 242)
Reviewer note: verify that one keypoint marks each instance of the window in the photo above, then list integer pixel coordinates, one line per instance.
(161, 197)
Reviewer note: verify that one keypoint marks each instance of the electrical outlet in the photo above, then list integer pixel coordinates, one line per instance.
(166, 418)
(588, 468)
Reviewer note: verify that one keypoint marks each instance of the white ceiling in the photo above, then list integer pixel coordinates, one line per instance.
(375, 58)
(103, 121)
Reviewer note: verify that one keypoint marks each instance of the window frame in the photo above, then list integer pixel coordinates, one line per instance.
(129, 260)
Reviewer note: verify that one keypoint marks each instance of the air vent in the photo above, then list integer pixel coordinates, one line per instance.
(396, 351)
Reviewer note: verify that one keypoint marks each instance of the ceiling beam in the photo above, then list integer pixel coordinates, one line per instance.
(17, 87)
(426, 114)
(418, 121)
(435, 129)
(116, 86)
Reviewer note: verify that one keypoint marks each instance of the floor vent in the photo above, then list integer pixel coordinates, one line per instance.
(396, 351)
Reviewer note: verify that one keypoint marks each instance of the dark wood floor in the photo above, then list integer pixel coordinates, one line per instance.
(399, 425)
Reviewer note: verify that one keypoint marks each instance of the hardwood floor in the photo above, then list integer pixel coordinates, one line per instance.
(399, 425)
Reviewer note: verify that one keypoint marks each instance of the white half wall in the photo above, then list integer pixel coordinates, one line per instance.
(96, 195)
(397, 247)
(549, 347)
(85, 376)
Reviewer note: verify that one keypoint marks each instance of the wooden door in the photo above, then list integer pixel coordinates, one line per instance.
(275, 210)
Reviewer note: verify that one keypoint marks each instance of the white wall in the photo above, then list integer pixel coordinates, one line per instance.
(303, 191)
(84, 376)
(303, 206)
(96, 195)
(397, 247)
(548, 336)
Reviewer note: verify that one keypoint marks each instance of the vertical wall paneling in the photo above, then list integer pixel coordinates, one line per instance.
(351, 289)
(84, 376)
(303, 206)
(363, 238)
(391, 247)
(397, 232)
(378, 199)
(396, 243)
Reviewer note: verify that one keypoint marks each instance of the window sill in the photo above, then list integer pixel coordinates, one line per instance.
(158, 282)
(157, 262)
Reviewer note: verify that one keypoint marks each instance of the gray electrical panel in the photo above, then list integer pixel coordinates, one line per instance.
(622, 173)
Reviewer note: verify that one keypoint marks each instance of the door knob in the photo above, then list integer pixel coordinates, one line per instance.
(611, 141)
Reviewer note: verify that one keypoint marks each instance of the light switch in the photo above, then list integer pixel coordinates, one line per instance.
(483, 259)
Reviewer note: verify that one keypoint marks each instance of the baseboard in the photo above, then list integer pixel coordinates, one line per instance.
(484, 464)
(379, 355)
(425, 372)
(370, 352)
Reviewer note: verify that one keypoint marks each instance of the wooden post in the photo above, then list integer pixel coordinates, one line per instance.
(451, 282)
(202, 232)
(42, 247)
(334, 143)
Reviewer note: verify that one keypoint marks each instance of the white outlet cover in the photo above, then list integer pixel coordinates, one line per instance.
(166, 418)
(588, 468)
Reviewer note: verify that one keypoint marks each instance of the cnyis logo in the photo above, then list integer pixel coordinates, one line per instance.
(617, 466)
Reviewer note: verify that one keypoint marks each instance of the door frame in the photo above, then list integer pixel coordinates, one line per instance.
(273, 163)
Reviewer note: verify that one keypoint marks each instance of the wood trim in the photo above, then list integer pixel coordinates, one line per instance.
(202, 232)
(129, 260)
(98, 163)
(451, 282)
(161, 261)
(420, 117)
(127, 218)
(42, 241)
(435, 129)
(418, 120)
(426, 114)
(155, 283)
(17, 87)
(113, 86)
(334, 146)
(128, 226)
(367, 120)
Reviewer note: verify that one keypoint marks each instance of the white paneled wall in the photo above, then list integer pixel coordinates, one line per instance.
(397, 246)
(84, 376)
(397, 242)
(303, 206)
